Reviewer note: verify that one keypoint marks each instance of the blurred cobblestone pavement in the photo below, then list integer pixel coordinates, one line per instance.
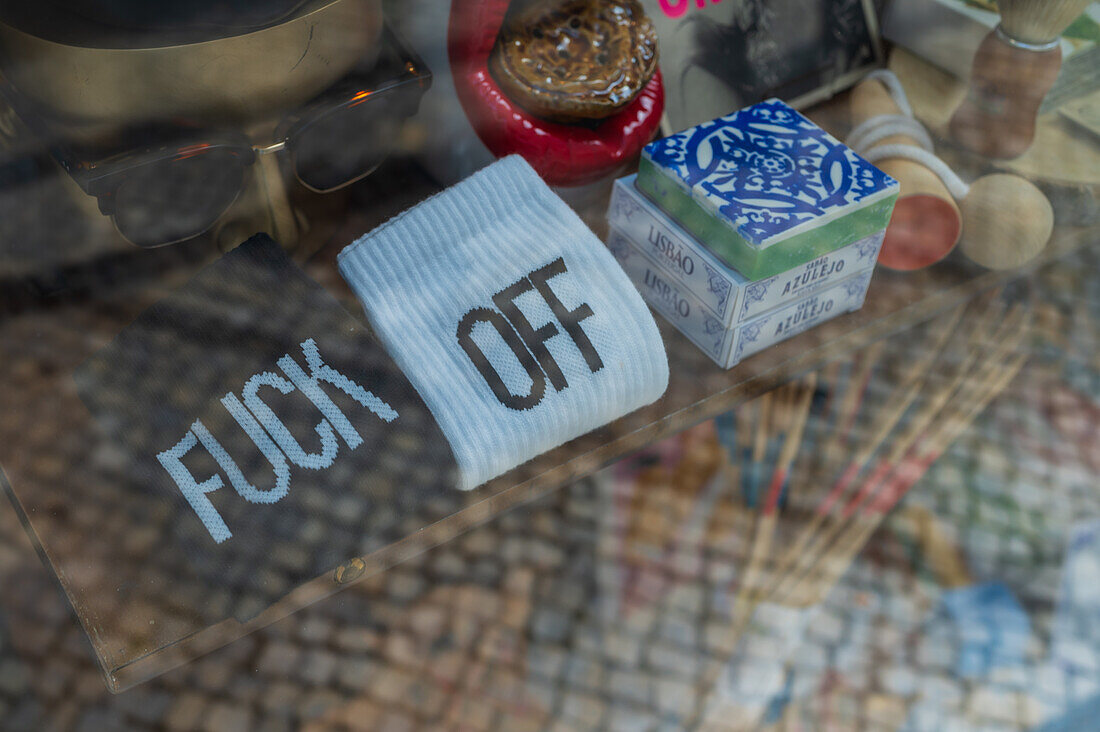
(602, 605)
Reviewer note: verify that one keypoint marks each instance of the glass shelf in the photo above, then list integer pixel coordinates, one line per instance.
(67, 289)
(59, 477)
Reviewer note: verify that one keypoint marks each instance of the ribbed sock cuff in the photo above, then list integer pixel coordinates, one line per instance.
(508, 315)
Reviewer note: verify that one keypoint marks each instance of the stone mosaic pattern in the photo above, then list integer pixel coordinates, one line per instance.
(605, 605)
(767, 169)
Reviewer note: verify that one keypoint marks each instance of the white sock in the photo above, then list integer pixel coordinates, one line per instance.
(566, 345)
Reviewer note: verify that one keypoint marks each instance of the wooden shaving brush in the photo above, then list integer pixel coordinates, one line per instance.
(1038, 22)
(1014, 68)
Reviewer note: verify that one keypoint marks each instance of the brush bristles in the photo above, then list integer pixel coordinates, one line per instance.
(1038, 21)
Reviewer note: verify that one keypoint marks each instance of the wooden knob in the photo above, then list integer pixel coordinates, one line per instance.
(926, 223)
(1006, 221)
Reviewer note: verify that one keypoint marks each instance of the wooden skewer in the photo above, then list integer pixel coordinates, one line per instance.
(759, 447)
(801, 412)
(811, 462)
(924, 418)
(841, 411)
(1005, 338)
(846, 410)
(832, 563)
(744, 420)
(693, 531)
(792, 411)
(796, 416)
(924, 421)
(831, 374)
(853, 398)
(836, 562)
(768, 417)
(907, 471)
(849, 406)
(905, 395)
(729, 476)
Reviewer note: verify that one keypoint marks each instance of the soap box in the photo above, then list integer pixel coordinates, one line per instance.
(727, 346)
(766, 189)
(729, 296)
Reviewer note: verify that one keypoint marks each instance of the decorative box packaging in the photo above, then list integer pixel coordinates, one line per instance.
(729, 296)
(766, 189)
(727, 346)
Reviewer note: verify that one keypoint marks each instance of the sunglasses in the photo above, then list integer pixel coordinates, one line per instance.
(160, 193)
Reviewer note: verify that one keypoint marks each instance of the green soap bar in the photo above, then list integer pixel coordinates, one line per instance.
(756, 264)
(766, 189)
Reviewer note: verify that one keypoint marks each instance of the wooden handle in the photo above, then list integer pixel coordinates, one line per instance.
(871, 99)
(926, 223)
(1007, 86)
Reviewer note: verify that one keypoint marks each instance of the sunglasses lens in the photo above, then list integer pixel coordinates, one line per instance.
(346, 144)
(179, 199)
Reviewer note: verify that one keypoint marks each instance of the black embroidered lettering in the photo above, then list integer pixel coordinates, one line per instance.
(486, 369)
(535, 339)
(569, 319)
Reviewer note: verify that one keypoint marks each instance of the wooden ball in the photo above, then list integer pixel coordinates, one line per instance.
(1007, 221)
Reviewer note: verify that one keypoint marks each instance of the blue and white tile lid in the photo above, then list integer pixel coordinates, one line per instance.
(769, 172)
